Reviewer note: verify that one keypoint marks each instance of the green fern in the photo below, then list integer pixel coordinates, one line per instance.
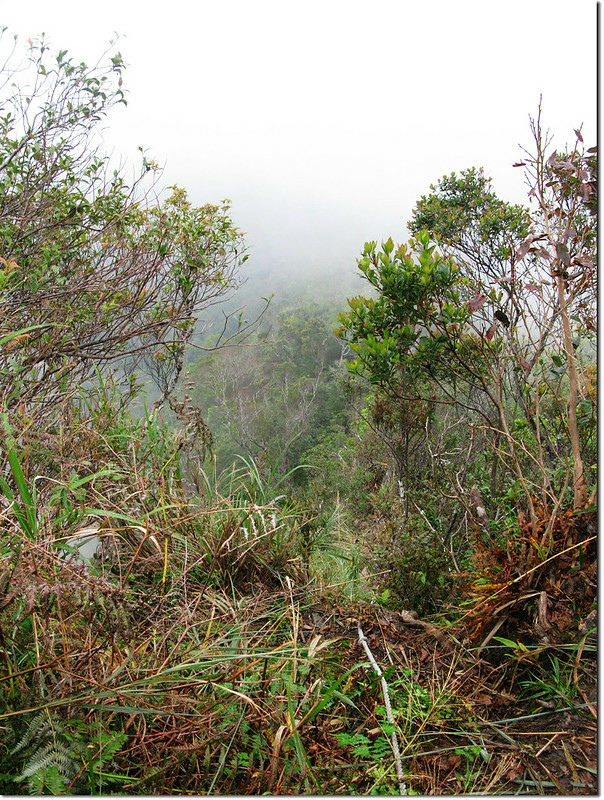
(54, 752)
(46, 781)
(50, 759)
(37, 728)
(107, 744)
(100, 753)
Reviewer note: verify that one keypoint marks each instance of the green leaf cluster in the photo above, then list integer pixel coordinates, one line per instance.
(112, 279)
(465, 216)
(418, 309)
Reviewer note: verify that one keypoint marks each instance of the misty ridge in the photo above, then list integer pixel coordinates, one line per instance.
(299, 252)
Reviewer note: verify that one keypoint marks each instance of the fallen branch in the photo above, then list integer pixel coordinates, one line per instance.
(397, 753)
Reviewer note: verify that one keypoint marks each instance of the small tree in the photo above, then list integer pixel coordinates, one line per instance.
(469, 221)
(564, 186)
(482, 326)
(404, 340)
(97, 275)
(543, 308)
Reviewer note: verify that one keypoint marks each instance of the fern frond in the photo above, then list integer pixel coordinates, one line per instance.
(42, 759)
(39, 727)
(47, 781)
(54, 753)
(106, 746)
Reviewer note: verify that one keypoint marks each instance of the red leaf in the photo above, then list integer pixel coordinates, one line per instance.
(583, 261)
(476, 302)
(524, 364)
(523, 249)
(586, 190)
(562, 253)
(491, 332)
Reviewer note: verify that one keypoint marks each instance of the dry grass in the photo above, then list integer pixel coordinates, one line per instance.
(199, 653)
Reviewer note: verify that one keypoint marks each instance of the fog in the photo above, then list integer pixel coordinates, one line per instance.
(324, 122)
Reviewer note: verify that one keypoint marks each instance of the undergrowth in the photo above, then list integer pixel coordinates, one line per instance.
(186, 655)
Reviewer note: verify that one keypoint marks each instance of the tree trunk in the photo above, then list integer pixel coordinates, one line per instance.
(579, 486)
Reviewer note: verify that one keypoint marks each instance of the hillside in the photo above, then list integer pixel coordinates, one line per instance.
(349, 547)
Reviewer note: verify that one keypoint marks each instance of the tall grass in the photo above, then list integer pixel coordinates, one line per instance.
(177, 650)
(211, 644)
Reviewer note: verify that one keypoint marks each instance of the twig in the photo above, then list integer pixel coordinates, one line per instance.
(397, 753)
(591, 708)
(512, 720)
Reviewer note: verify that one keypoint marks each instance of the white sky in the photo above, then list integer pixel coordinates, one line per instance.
(325, 120)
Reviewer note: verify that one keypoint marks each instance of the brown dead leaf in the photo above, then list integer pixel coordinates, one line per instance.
(21, 337)
(524, 364)
(476, 302)
(562, 619)
(515, 772)
(452, 762)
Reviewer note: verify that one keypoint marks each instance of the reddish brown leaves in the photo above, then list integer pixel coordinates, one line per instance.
(555, 562)
(524, 364)
(476, 302)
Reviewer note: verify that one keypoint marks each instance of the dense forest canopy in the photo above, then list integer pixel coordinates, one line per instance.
(208, 541)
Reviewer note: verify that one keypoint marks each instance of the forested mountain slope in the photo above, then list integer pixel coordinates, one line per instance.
(349, 547)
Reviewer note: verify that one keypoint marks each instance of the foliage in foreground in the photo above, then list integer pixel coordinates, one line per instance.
(196, 654)
(496, 325)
